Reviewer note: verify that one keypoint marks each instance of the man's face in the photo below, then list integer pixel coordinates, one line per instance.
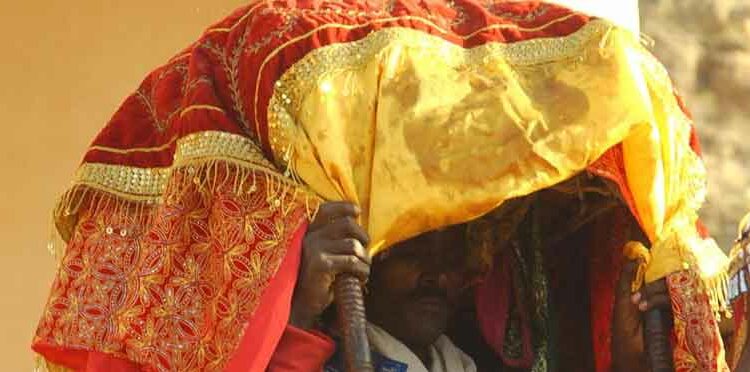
(412, 290)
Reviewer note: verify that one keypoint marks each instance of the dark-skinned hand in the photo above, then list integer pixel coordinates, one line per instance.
(628, 352)
(334, 243)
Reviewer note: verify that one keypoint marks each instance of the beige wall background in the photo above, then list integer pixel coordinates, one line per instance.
(65, 66)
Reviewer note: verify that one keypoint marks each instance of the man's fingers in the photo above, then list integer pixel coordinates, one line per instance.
(635, 298)
(350, 264)
(345, 228)
(330, 211)
(348, 247)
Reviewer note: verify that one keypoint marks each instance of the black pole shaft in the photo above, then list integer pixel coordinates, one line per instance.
(656, 340)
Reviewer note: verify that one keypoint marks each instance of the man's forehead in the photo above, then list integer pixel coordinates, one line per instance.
(448, 239)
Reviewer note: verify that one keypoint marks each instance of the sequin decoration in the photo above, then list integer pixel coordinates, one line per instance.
(171, 294)
(150, 183)
(697, 342)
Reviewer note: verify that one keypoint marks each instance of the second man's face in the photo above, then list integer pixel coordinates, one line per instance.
(413, 289)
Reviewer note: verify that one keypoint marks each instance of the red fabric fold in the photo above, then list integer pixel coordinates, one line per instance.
(85, 361)
(301, 351)
(493, 301)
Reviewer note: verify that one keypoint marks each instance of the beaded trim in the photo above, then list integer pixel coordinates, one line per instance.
(128, 180)
(147, 183)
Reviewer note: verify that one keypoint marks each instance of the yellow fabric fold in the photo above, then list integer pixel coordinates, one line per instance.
(422, 133)
(432, 134)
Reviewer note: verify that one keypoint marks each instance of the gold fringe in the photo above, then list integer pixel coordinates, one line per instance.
(715, 279)
(56, 243)
(717, 288)
(716, 283)
(236, 175)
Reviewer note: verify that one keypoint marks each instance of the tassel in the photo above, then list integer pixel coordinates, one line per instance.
(637, 251)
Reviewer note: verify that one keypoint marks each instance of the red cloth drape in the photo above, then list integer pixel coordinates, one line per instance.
(301, 351)
(176, 245)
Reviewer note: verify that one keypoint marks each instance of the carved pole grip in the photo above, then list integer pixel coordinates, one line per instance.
(351, 311)
(656, 340)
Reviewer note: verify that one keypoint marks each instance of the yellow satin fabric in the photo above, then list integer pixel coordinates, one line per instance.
(422, 133)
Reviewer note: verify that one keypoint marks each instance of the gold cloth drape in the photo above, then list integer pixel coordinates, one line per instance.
(423, 133)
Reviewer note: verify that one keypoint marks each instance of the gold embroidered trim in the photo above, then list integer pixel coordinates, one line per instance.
(522, 53)
(149, 183)
(213, 144)
(306, 74)
(207, 160)
(126, 180)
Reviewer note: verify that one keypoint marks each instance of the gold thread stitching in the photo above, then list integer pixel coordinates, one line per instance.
(115, 150)
(188, 109)
(522, 29)
(239, 21)
(218, 30)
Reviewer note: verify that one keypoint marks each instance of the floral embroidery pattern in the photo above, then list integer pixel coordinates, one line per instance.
(175, 293)
(698, 345)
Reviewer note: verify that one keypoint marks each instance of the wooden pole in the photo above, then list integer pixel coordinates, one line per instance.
(351, 311)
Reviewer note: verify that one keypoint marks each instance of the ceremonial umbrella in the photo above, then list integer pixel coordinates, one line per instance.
(183, 225)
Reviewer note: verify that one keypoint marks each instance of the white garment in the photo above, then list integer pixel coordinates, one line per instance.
(446, 357)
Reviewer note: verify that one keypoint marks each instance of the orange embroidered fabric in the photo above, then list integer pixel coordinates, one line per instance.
(696, 339)
(171, 291)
